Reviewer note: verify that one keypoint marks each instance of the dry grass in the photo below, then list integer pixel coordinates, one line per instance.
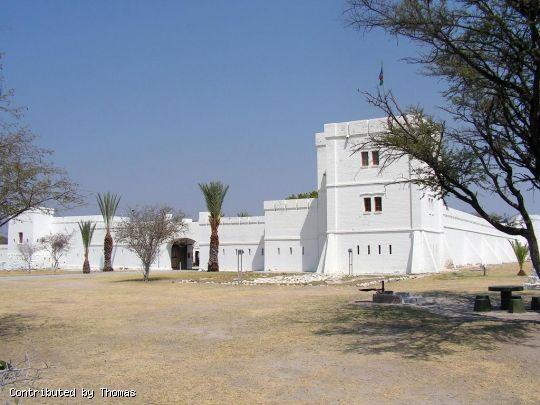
(33, 272)
(209, 343)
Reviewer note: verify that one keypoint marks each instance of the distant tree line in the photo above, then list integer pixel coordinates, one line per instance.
(300, 196)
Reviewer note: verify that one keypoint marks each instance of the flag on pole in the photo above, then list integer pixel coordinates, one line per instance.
(381, 76)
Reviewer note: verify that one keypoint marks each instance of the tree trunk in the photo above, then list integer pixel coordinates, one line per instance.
(532, 242)
(146, 273)
(535, 254)
(107, 251)
(213, 264)
(86, 265)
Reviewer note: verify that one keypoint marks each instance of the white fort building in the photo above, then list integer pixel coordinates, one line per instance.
(361, 223)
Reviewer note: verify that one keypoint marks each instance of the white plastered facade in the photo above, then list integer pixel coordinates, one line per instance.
(409, 232)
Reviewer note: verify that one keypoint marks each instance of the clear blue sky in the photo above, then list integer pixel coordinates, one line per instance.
(148, 98)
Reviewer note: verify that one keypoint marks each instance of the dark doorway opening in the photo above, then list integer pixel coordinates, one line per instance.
(181, 258)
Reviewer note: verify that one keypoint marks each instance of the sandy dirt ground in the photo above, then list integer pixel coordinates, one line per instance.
(176, 342)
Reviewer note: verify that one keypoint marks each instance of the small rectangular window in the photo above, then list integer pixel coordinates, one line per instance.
(379, 249)
(262, 252)
(368, 249)
(278, 251)
(390, 249)
(365, 158)
(367, 204)
(302, 250)
(375, 158)
(223, 251)
(378, 204)
(249, 252)
(290, 249)
(357, 249)
(21, 236)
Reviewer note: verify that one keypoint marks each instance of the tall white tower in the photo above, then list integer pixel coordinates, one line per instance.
(374, 223)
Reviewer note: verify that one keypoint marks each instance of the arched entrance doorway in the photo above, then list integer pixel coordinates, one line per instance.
(182, 254)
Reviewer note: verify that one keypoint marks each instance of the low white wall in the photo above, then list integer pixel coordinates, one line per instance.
(393, 256)
(246, 233)
(291, 238)
(472, 240)
(35, 225)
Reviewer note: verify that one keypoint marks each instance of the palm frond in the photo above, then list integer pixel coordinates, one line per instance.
(87, 231)
(521, 250)
(214, 194)
(108, 203)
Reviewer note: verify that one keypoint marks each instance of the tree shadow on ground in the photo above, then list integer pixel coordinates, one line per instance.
(140, 279)
(12, 325)
(415, 332)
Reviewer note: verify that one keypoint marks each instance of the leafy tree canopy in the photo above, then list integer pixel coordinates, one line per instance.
(300, 196)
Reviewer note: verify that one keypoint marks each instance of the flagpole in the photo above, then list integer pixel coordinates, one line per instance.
(381, 80)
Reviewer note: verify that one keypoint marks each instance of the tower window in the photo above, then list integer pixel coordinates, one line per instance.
(21, 236)
(375, 158)
(365, 158)
(290, 250)
(302, 250)
(390, 249)
(379, 249)
(368, 249)
(357, 249)
(223, 251)
(278, 251)
(262, 251)
(367, 204)
(378, 204)
(249, 252)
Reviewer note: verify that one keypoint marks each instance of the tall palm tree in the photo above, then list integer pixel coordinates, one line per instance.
(521, 251)
(214, 194)
(87, 231)
(108, 203)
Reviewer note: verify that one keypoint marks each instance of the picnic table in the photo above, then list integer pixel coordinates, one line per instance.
(506, 293)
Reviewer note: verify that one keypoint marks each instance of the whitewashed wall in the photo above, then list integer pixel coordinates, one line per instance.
(235, 233)
(291, 237)
(471, 240)
(349, 227)
(414, 233)
(37, 224)
(410, 225)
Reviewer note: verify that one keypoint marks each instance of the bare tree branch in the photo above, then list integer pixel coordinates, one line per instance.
(146, 229)
(488, 54)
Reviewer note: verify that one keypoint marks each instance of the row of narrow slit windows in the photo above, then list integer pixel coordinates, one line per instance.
(379, 249)
(368, 251)
(291, 250)
(262, 251)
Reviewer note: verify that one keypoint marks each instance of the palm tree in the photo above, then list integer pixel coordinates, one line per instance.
(521, 251)
(87, 231)
(214, 194)
(108, 203)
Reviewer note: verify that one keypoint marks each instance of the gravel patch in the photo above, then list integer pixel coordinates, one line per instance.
(310, 279)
